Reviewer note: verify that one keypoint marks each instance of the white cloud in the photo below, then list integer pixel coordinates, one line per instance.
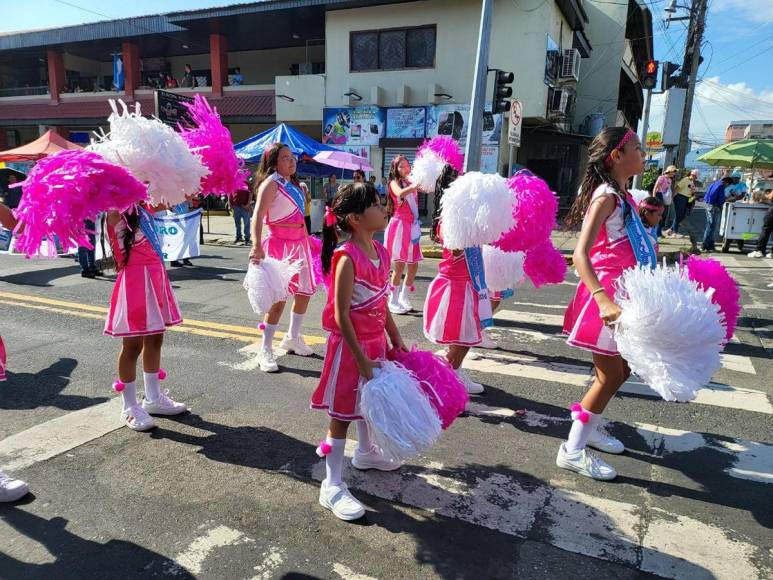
(754, 10)
(717, 105)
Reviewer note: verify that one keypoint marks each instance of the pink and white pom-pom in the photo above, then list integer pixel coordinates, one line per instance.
(210, 139)
(579, 414)
(431, 158)
(544, 264)
(154, 153)
(534, 211)
(118, 385)
(504, 270)
(324, 448)
(62, 191)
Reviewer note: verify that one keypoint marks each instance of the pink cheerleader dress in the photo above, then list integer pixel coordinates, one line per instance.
(143, 301)
(283, 242)
(610, 255)
(338, 389)
(451, 307)
(403, 233)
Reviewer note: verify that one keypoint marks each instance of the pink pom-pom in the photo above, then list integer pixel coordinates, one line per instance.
(438, 380)
(544, 265)
(262, 326)
(710, 273)
(411, 288)
(161, 374)
(576, 408)
(446, 148)
(118, 386)
(65, 189)
(534, 211)
(211, 140)
(324, 448)
(583, 417)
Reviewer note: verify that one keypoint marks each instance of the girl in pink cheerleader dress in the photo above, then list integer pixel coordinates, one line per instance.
(142, 307)
(403, 234)
(281, 206)
(357, 318)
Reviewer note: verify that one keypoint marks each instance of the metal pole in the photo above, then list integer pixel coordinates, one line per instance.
(475, 129)
(697, 24)
(644, 128)
(511, 161)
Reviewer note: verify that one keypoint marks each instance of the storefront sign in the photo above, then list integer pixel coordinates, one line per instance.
(452, 120)
(170, 107)
(353, 125)
(406, 123)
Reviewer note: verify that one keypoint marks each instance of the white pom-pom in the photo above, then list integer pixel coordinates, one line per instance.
(476, 209)
(670, 332)
(504, 270)
(269, 282)
(427, 167)
(154, 153)
(399, 414)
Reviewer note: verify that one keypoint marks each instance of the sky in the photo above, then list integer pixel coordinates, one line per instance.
(736, 80)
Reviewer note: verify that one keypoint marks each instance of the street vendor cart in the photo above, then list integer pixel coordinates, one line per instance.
(741, 222)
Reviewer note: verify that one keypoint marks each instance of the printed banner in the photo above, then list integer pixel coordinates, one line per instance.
(452, 120)
(353, 125)
(406, 122)
(474, 258)
(7, 246)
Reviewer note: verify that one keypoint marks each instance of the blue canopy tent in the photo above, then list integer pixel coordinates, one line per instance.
(303, 146)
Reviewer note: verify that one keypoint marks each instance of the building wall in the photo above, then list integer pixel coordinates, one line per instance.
(599, 84)
(518, 44)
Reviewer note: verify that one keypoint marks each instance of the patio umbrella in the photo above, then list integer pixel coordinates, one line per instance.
(751, 153)
(343, 160)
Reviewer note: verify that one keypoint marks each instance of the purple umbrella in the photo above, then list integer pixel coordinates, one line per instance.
(343, 160)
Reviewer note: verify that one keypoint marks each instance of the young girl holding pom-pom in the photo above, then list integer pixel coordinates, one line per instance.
(451, 315)
(142, 306)
(403, 234)
(612, 239)
(357, 317)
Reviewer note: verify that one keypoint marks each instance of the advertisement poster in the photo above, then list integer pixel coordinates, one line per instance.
(170, 107)
(353, 125)
(452, 120)
(406, 122)
(489, 158)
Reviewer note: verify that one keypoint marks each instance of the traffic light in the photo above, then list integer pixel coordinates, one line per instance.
(502, 91)
(666, 80)
(650, 78)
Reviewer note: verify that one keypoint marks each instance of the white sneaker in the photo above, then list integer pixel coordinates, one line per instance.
(769, 255)
(586, 463)
(405, 301)
(164, 406)
(472, 387)
(395, 307)
(12, 489)
(296, 345)
(754, 254)
(601, 439)
(267, 360)
(137, 419)
(487, 342)
(340, 501)
(374, 459)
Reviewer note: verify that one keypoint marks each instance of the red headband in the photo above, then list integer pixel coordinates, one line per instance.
(619, 147)
(650, 207)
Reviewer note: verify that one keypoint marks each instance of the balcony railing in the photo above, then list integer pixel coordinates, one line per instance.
(24, 91)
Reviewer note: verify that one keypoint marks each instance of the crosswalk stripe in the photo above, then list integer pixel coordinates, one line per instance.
(674, 546)
(529, 368)
(561, 307)
(530, 317)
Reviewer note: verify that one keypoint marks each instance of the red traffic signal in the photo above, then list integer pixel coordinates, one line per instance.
(650, 77)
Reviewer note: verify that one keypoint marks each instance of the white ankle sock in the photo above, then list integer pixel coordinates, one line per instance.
(334, 461)
(365, 443)
(129, 395)
(296, 320)
(152, 386)
(268, 335)
(580, 432)
(404, 292)
(393, 294)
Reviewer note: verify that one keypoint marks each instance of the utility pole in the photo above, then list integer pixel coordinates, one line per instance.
(692, 56)
(644, 128)
(475, 129)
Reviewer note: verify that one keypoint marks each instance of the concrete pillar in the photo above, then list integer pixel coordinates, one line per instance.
(130, 53)
(56, 76)
(218, 54)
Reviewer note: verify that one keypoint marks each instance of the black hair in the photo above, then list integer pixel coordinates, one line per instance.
(651, 202)
(352, 198)
(447, 177)
(132, 219)
(267, 165)
(597, 172)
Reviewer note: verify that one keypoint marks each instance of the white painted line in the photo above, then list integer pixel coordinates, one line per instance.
(530, 317)
(581, 523)
(734, 362)
(272, 559)
(193, 557)
(529, 368)
(348, 574)
(523, 335)
(561, 307)
(59, 435)
(716, 395)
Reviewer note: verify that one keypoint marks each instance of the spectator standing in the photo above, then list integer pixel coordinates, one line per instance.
(683, 191)
(767, 229)
(171, 83)
(714, 199)
(738, 188)
(86, 255)
(662, 191)
(12, 195)
(237, 79)
(330, 188)
(188, 80)
(358, 176)
(241, 203)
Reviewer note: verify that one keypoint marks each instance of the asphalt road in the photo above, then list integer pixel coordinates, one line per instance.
(230, 489)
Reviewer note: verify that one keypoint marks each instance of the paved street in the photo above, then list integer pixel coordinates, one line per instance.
(230, 490)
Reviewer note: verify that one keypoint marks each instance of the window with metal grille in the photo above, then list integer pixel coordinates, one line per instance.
(394, 49)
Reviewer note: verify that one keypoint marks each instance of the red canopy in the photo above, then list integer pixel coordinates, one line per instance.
(46, 144)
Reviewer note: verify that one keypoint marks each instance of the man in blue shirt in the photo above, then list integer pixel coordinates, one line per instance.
(714, 198)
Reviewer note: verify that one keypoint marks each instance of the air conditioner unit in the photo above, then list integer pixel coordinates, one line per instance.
(570, 64)
(562, 102)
